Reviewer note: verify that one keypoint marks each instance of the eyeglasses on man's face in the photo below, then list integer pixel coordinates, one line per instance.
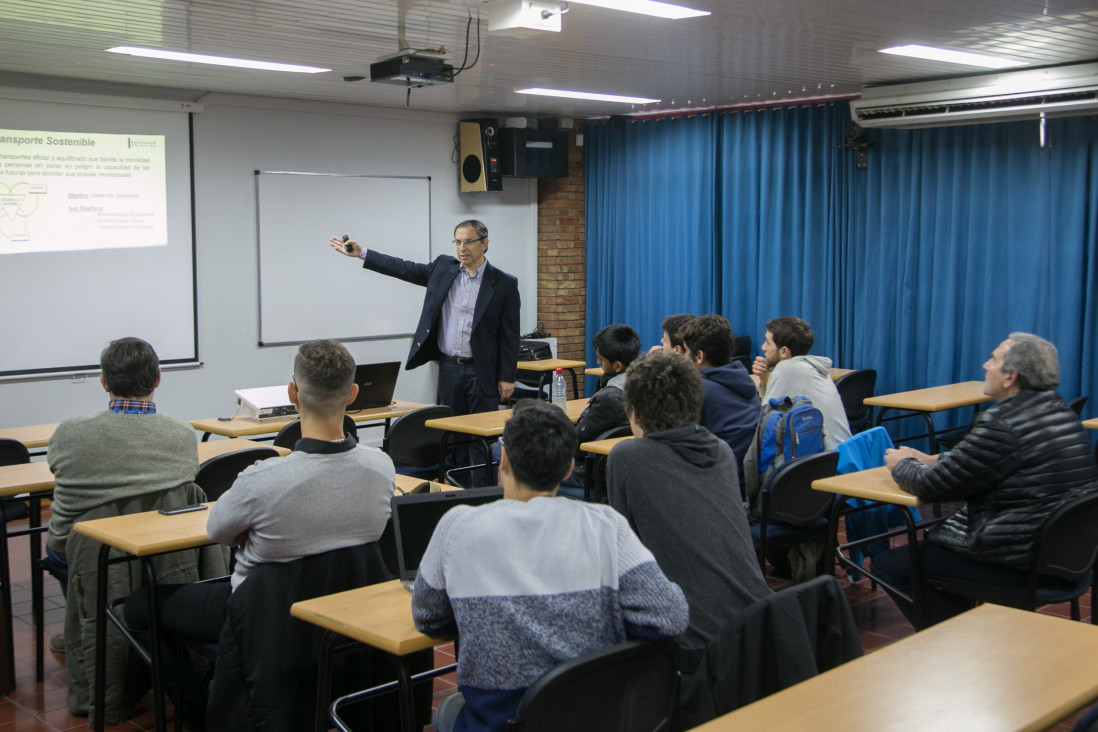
(467, 242)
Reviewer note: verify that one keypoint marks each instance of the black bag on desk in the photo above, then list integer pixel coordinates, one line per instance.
(534, 350)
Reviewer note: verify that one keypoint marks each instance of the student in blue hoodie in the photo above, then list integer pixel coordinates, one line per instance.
(731, 406)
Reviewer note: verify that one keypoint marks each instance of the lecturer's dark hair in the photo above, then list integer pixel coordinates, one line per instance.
(540, 442)
(481, 229)
(130, 367)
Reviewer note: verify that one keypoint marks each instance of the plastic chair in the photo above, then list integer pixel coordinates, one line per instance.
(789, 510)
(594, 488)
(217, 475)
(288, 436)
(853, 389)
(1077, 405)
(415, 447)
(14, 452)
(1063, 565)
(630, 687)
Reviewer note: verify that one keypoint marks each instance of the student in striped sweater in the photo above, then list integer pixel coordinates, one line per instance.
(532, 581)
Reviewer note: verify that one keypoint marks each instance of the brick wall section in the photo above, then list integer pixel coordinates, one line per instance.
(562, 267)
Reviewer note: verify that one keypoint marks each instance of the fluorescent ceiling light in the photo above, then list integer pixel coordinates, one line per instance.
(585, 95)
(646, 7)
(215, 60)
(954, 57)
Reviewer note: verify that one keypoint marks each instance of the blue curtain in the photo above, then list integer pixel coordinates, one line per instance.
(916, 267)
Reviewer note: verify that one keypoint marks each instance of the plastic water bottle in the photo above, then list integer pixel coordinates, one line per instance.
(560, 390)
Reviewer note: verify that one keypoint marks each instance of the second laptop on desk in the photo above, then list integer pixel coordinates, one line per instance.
(415, 517)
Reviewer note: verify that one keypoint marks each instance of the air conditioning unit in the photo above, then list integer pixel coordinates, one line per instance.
(1058, 91)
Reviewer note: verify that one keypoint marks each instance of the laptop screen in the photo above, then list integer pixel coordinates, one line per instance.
(415, 517)
(376, 384)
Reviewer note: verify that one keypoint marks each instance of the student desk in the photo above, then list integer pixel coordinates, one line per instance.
(1091, 424)
(547, 366)
(380, 616)
(36, 480)
(875, 485)
(139, 536)
(485, 426)
(247, 427)
(596, 474)
(33, 437)
(991, 669)
(924, 402)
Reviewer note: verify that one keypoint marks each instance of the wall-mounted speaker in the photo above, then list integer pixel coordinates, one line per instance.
(479, 167)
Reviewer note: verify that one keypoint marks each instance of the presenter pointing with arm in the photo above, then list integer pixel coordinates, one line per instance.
(469, 322)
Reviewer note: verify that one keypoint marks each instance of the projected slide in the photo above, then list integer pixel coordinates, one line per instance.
(69, 191)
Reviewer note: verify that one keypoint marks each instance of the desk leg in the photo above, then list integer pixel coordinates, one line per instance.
(575, 384)
(406, 695)
(101, 638)
(444, 452)
(918, 595)
(37, 590)
(205, 437)
(323, 682)
(541, 384)
(5, 590)
(149, 572)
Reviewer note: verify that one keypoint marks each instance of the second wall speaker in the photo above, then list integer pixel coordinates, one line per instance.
(479, 167)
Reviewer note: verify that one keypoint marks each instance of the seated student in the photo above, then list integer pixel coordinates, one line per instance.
(553, 579)
(731, 407)
(1022, 459)
(671, 342)
(676, 483)
(786, 369)
(615, 347)
(329, 493)
(126, 452)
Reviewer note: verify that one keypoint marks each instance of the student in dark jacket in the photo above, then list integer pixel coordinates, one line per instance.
(1023, 458)
(731, 407)
(616, 346)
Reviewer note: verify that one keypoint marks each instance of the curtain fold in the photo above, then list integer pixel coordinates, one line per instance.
(917, 267)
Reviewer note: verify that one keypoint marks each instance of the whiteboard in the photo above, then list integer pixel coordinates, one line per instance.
(308, 291)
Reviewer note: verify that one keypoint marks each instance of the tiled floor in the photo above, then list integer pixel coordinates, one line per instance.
(43, 707)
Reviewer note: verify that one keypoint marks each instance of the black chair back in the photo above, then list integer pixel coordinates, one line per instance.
(288, 436)
(409, 442)
(630, 687)
(741, 346)
(216, 475)
(1077, 404)
(1068, 545)
(788, 497)
(13, 452)
(853, 389)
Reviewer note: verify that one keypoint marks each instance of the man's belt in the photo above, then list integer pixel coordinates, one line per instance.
(459, 360)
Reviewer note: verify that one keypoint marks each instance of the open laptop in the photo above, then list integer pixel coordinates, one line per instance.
(376, 384)
(415, 517)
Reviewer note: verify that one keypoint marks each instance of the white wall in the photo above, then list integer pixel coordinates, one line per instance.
(237, 135)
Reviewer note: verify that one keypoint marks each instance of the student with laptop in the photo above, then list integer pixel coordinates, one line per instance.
(553, 579)
(329, 493)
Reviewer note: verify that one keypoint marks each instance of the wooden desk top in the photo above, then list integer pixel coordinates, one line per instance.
(406, 483)
(594, 371)
(1091, 424)
(934, 398)
(837, 374)
(875, 484)
(32, 436)
(992, 669)
(240, 426)
(490, 424)
(603, 447)
(36, 477)
(550, 364)
(379, 615)
(148, 533)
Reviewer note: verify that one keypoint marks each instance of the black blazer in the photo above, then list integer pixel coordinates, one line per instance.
(495, 336)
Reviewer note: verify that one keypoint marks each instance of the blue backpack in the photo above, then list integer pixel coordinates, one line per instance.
(791, 428)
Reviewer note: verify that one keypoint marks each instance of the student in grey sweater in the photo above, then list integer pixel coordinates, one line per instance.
(676, 484)
(553, 579)
(128, 450)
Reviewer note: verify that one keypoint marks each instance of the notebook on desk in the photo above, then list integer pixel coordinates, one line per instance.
(415, 517)
(376, 384)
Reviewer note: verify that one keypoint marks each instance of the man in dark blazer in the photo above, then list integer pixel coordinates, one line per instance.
(469, 322)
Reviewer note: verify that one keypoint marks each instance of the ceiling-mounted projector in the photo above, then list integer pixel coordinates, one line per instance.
(412, 70)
